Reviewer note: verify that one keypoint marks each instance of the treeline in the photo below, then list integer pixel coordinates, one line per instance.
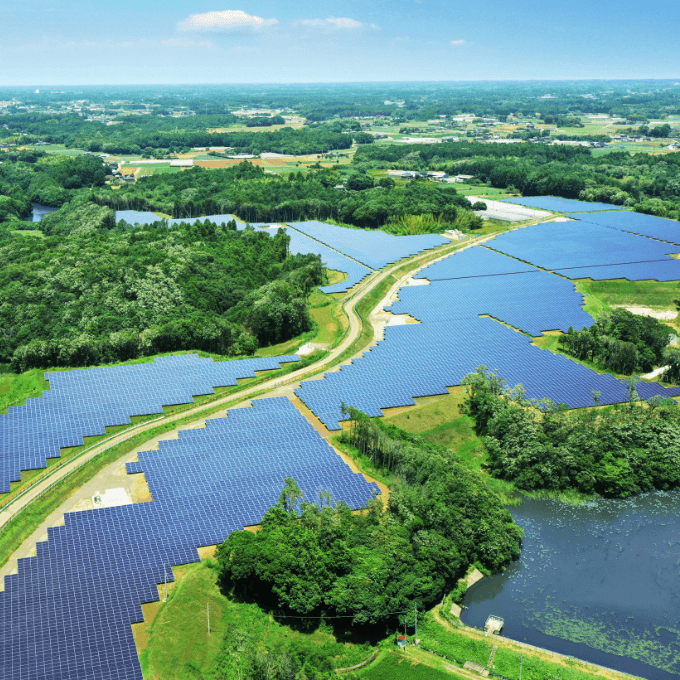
(616, 451)
(140, 134)
(99, 294)
(309, 556)
(620, 341)
(256, 196)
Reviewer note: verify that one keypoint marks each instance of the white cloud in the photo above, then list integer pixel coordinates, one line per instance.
(459, 43)
(228, 21)
(337, 22)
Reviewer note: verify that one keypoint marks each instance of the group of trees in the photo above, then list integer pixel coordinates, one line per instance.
(620, 341)
(315, 557)
(256, 196)
(34, 177)
(617, 451)
(647, 183)
(95, 293)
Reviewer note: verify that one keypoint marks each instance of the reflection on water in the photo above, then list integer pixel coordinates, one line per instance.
(39, 211)
(599, 582)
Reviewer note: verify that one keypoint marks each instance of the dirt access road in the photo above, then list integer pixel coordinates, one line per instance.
(23, 501)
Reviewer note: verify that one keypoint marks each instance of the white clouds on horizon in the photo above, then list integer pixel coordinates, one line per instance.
(337, 22)
(227, 21)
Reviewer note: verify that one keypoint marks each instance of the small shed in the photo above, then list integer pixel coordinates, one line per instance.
(494, 625)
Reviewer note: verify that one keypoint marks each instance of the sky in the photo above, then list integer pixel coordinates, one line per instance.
(80, 42)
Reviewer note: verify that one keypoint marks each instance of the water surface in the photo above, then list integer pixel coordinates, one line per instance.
(599, 582)
(39, 211)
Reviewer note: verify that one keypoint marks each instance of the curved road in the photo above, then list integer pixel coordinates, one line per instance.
(355, 328)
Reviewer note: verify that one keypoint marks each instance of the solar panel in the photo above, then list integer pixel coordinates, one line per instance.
(557, 204)
(636, 223)
(583, 249)
(84, 402)
(417, 360)
(372, 247)
(69, 610)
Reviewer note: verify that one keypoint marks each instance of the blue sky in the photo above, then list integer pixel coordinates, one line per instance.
(50, 42)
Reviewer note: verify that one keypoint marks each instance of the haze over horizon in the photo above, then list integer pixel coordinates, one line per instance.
(54, 42)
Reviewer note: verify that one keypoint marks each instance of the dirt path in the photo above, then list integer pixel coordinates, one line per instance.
(536, 652)
(281, 386)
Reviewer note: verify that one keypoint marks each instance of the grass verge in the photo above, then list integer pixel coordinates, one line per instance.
(175, 644)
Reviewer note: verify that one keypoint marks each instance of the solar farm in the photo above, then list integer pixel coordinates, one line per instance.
(83, 403)
(418, 360)
(584, 250)
(636, 223)
(69, 610)
(561, 205)
(375, 249)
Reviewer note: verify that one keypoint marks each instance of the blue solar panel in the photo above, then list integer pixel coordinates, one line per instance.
(145, 217)
(557, 204)
(372, 247)
(636, 223)
(83, 403)
(69, 610)
(581, 250)
(417, 360)
(299, 243)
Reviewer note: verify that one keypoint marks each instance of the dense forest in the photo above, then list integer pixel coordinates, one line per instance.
(615, 451)
(97, 294)
(311, 557)
(620, 341)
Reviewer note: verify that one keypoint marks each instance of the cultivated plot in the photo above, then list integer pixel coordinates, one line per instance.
(636, 223)
(557, 204)
(374, 248)
(584, 250)
(68, 612)
(83, 403)
(424, 359)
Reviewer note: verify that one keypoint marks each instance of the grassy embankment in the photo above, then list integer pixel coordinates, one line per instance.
(174, 644)
(602, 296)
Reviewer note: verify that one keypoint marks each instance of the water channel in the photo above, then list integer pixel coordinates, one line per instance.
(600, 582)
(39, 211)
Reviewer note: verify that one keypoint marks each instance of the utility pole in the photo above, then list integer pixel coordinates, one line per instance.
(208, 618)
(415, 607)
(521, 659)
(165, 599)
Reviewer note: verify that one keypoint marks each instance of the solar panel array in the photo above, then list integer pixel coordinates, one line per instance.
(417, 360)
(557, 204)
(145, 217)
(581, 250)
(299, 243)
(82, 403)
(69, 610)
(372, 247)
(636, 223)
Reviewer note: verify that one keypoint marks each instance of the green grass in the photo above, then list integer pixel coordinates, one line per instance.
(459, 648)
(395, 665)
(178, 646)
(16, 388)
(603, 294)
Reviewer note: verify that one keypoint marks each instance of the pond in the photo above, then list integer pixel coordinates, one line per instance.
(599, 582)
(39, 211)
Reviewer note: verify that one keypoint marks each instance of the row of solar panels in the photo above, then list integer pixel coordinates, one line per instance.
(83, 403)
(452, 340)
(69, 610)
